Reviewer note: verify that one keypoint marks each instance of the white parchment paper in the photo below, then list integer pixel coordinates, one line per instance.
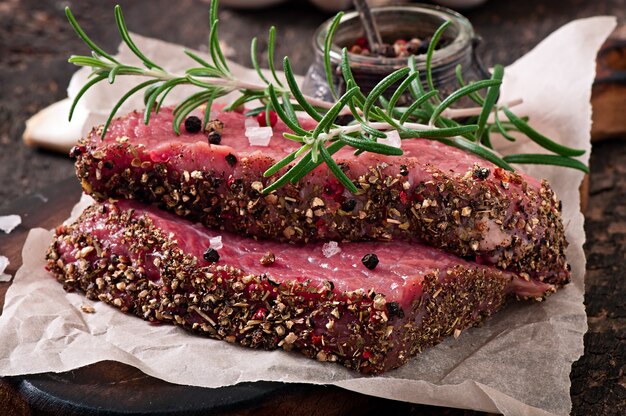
(518, 363)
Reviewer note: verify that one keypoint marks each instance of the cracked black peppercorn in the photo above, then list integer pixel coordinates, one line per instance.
(211, 255)
(481, 173)
(394, 309)
(193, 124)
(348, 205)
(370, 261)
(404, 171)
(231, 159)
(76, 151)
(215, 138)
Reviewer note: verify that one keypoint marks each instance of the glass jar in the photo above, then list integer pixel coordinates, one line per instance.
(399, 22)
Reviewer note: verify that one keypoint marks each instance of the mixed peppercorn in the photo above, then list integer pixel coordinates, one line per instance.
(400, 48)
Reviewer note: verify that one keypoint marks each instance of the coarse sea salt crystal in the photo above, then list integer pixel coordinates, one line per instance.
(330, 249)
(259, 136)
(4, 262)
(216, 242)
(9, 222)
(392, 139)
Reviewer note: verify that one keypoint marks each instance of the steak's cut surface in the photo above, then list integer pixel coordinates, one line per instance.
(274, 295)
(434, 193)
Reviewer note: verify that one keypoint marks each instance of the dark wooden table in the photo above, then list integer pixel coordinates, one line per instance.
(35, 41)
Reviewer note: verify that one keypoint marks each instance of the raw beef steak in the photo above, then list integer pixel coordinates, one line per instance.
(434, 194)
(314, 298)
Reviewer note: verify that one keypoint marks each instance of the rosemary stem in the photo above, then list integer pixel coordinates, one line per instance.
(474, 111)
(380, 125)
(453, 113)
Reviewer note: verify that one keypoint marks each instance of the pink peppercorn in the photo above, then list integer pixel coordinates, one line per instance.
(261, 119)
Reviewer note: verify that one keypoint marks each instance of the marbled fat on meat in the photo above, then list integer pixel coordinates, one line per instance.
(434, 194)
(150, 263)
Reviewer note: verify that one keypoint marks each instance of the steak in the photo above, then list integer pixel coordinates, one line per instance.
(433, 194)
(323, 303)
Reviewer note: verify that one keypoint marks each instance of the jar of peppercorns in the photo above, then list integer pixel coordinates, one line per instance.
(405, 30)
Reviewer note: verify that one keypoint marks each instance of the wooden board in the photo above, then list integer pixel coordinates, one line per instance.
(112, 388)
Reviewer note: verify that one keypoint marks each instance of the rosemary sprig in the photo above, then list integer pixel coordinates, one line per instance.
(429, 116)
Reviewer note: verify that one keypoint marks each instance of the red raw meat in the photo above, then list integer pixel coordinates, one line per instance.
(152, 264)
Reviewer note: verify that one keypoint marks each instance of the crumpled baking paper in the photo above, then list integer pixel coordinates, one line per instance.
(517, 363)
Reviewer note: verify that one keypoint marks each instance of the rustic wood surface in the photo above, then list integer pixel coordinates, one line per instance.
(35, 41)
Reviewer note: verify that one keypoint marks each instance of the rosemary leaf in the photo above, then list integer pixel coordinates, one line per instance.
(94, 63)
(303, 150)
(336, 170)
(326, 122)
(372, 131)
(152, 95)
(207, 71)
(254, 112)
(417, 104)
(315, 151)
(147, 94)
(289, 111)
(436, 133)
(280, 164)
(387, 119)
(255, 63)
(431, 50)
(122, 100)
(268, 109)
(216, 50)
(297, 94)
(490, 100)
(501, 128)
(539, 138)
(82, 92)
(270, 53)
(328, 43)
(400, 90)
(207, 110)
(332, 149)
(474, 95)
(478, 150)
(162, 99)
(81, 34)
(293, 137)
(543, 159)
(280, 112)
(244, 98)
(446, 122)
(214, 44)
(485, 138)
(126, 70)
(379, 88)
(346, 72)
(196, 58)
(188, 105)
(370, 146)
(460, 93)
(290, 174)
(121, 25)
